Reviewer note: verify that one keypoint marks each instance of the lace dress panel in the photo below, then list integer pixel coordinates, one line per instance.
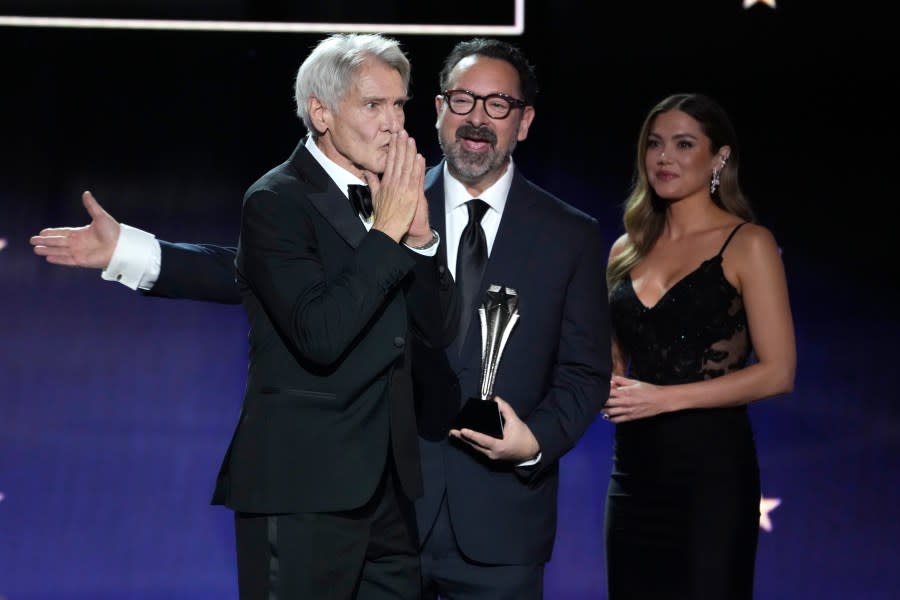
(697, 330)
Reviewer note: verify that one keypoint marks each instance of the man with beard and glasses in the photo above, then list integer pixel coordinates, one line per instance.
(487, 520)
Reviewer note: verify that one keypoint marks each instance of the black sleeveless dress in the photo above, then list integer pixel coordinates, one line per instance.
(682, 509)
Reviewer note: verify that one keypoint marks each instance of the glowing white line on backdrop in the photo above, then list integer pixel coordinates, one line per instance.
(517, 27)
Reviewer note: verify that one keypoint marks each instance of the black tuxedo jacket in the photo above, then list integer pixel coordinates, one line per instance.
(554, 371)
(332, 309)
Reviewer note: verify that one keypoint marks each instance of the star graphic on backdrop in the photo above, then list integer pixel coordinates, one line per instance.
(767, 505)
(2, 243)
(749, 3)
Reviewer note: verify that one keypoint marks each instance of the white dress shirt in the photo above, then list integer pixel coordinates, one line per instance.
(457, 216)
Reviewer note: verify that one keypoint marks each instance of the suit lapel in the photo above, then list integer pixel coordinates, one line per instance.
(325, 196)
(516, 237)
(437, 215)
(437, 212)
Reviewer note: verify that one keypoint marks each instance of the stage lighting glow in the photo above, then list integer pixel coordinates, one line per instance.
(766, 506)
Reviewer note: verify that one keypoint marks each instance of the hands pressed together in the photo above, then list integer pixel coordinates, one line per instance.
(398, 198)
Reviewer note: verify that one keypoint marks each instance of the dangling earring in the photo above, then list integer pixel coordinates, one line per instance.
(716, 178)
(714, 183)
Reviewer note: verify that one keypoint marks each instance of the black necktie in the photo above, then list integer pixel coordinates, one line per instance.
(471, 257)
(360, 199)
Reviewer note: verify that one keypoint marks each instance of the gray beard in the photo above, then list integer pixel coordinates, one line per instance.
(471, 167)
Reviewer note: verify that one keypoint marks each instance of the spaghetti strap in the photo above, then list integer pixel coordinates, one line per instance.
(731, 235)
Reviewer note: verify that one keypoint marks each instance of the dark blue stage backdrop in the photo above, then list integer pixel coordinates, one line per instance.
(115, 409)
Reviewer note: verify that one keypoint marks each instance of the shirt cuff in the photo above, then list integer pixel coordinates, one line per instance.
(136, 260)
(532, 462)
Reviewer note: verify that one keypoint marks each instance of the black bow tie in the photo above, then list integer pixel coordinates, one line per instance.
(360, 199)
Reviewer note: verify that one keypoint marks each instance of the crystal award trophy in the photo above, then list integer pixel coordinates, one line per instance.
(499, 314)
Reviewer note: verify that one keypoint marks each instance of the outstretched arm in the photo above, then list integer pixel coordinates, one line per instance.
(196, 272)
(136, 259)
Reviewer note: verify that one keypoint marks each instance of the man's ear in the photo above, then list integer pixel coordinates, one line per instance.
(525, 123)
(319, 115)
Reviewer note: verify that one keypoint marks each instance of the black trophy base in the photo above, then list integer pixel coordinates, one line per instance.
(482, 416)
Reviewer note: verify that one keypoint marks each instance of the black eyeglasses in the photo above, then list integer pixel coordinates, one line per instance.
(497, 106)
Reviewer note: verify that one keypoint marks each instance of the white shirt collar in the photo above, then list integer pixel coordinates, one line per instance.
(341, 176)
(456, 195)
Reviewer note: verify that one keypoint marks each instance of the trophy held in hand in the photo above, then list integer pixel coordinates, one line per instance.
(499, 314)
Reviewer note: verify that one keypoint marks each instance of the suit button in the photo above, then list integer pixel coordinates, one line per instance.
(399, 342)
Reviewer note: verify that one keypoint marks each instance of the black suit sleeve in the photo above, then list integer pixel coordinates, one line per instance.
(196, 272)
(583, 368)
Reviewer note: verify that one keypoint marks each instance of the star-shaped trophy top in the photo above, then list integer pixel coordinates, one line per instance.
(500, 295)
